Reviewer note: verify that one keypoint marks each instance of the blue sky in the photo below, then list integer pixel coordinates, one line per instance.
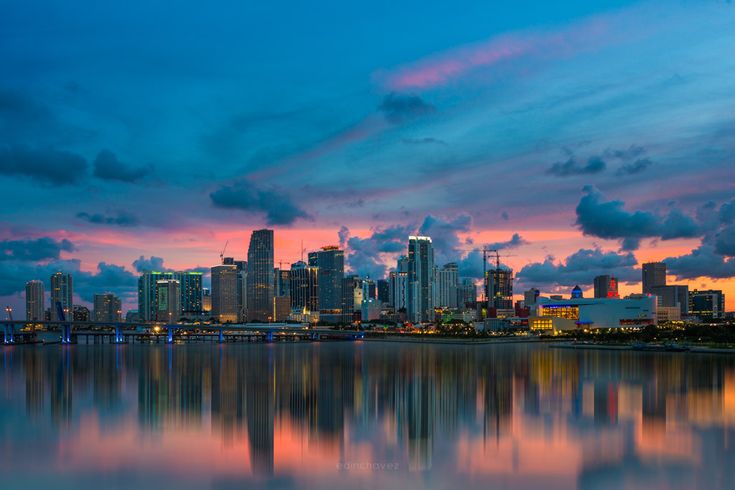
(132, 129)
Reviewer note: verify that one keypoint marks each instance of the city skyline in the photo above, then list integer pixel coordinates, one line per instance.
(127, 136)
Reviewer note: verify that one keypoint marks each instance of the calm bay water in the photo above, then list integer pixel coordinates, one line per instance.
(363, 415)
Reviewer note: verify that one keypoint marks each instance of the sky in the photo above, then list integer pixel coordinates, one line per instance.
(580, 138)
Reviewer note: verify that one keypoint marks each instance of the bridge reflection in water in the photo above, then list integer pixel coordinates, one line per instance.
(368, 414)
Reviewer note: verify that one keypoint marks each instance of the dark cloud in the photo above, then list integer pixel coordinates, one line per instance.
(635, 167)
(278, 208)
(424, 141)
(505, 216)
(366, 256)
(444, 235)
(609, 219)
(703, 261)
(580, 268)
(571, 167)
(36, 249)
(398, 108)
(727, 212)
(118, 219)
(153, 263)
(725, 241)
(633, 151)
(108, 167)
(47, 166)
(515, 241)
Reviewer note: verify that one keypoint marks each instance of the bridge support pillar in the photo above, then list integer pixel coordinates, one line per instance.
(170, 335)
(118, 335)
(314, 336)
(269, 337)
(66, 334)
(9, 334)
(221, 335)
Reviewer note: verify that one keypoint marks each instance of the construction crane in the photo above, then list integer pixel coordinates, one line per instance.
(222, 253)
(485, 253)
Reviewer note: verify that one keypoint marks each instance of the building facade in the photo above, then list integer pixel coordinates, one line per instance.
(107, 308)
(62, 292)
(304, 287)
(330, 264)
(260, 276)
(446, 284)
(35, 301)
(606, 287)
(708, 304)
(148, 294)
(225, 303)
(191, 291)
(653, 275)
(168, 300)
(420, 298)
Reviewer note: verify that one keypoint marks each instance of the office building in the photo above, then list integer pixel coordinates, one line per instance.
(654, 275)
(707, 304)
(191, 291)
(260, 276)
(330, 264)
(62, 292)
(446, 282)
(673, 296)
(420, 304)
(168, 300)
(225, 304)
(281, 282)
(80, 313)
(467, 293)
(304, 287)
(606, 287)
(107, 308)
(530, 297)
(499, 289)
(383, 291)
(206, 300)
(35, 301)
(148, 294)
(370, 310)
(398, 290)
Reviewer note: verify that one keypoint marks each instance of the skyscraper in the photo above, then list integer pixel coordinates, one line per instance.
(107, 308)
(35, 301)
(304, 287)
(654, 275)
(191, 291)
(398, 290)
(673, 295)
(148, 294)
(330, 263)
(260, 276)
(420, 279)
(62, 292)
(225, 304)
(499, 289)
(168, 300)
(606, 287)
(445, 286)
(708, 305)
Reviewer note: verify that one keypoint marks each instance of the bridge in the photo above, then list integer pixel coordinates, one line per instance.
(22, 332)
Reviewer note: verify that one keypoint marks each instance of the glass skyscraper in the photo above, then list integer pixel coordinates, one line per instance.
(420, 296)
(260, 276)
(330, 262)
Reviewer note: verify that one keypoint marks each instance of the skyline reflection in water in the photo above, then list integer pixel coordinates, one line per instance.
(365, 414)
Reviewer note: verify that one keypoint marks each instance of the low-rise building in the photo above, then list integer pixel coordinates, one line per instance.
(634, 311)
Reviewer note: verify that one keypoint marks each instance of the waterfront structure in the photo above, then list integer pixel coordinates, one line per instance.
(225, 305)
(62, 292)
(304, 287)
(420, 304)
(707, 304)
(330, 264)
(148, 293)
(499, 289)
(191, 291)
(206, 300)
(653, 275)
(35, 301)
(168, 300)
(445, 286)
(260, 276)
(107, 308)
(673, 295)
(634, 311)
(606, 286)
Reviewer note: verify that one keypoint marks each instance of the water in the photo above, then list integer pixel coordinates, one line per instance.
(363, 415)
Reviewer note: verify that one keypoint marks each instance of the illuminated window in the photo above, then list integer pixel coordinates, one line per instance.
(569, 312)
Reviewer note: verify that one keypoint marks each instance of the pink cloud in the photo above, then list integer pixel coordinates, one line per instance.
(442, 68)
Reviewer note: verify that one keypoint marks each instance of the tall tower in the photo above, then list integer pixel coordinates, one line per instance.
(330, 264)
(420, 296)
(304, 287)
(148, 294)
(35, 301)
(168, 293)
(191, 291)
(62, 292)
(225, 304)
(260, 276)
(654, 275)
